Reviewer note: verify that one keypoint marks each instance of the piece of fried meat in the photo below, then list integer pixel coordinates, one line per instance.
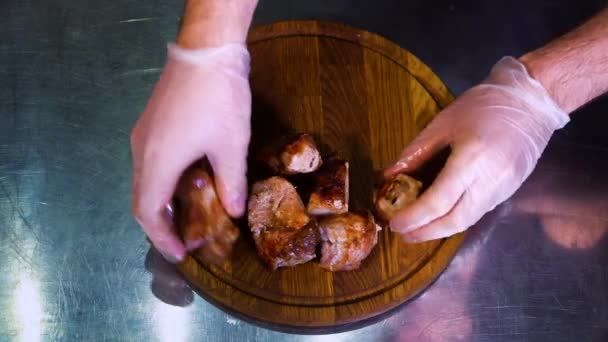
(284, 234)
(347, 240)
(330, 191)
(294, 155)
(395, 194)
(206, 228)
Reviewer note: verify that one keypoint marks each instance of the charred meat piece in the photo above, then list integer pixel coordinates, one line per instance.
(347, 240)
(284, 234)
(330, 192)
(395, 194)
(288, 247)
(295, 155)
(274, 202)
(206, 228)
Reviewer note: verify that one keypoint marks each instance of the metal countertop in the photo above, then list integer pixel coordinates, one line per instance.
(74, 265)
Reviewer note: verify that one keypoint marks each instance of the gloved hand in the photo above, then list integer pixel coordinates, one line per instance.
(497, 131)
(201, 106)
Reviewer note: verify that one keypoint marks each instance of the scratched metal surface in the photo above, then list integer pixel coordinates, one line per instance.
(74, 74)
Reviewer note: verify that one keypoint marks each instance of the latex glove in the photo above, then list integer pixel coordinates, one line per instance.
(497, 131)
(201, 106)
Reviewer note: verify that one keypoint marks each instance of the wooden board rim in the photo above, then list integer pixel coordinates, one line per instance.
(322, 301)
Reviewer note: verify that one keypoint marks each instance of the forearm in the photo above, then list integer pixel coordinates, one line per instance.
(574, 68)
(209, 23)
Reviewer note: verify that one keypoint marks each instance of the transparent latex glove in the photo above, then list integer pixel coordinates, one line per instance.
(497, 130)
(201, 106)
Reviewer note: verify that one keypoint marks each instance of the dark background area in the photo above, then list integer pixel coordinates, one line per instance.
(459, 40)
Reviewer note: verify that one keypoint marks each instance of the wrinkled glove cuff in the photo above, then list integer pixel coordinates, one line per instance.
(512, 76)
(234, 55)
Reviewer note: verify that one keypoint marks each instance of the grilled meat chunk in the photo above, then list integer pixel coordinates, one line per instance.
(284, 234)
(395, 194)
(206, 228)
(330, 192)
(298, 154)
(347, 240)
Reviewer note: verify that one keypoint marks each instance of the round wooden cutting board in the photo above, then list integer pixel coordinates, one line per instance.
(364, 98)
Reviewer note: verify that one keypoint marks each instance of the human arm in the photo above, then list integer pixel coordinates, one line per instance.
(574, 67)
(209, 23)
(498, 129)
(200, 107)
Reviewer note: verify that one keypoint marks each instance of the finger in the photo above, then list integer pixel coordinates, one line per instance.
(427, 144)
(155, 225)
(459, 219)
(155, 178)
(160, 233)
(164, 239)
(439, 198)
(230, 172)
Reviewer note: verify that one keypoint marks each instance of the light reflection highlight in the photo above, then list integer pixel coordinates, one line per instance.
(173, 322)
(28, 309)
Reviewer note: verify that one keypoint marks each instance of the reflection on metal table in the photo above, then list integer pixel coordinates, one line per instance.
(75, 266)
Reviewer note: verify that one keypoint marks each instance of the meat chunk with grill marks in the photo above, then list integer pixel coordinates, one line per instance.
(284, 234)
(294, 155)
(347, 240)
(395, 194)
(330, 192)
(206, 228)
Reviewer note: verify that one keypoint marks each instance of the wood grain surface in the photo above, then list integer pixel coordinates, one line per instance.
(365, 98)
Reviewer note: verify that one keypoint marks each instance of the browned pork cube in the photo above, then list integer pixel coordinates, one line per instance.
(347, 240)
(330, 192)
(206, 227)
(298, 155)
(284, 234)
(395, 194)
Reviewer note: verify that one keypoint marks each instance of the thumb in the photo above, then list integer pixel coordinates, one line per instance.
(229, 165)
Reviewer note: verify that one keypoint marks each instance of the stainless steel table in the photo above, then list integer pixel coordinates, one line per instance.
(74, 75)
